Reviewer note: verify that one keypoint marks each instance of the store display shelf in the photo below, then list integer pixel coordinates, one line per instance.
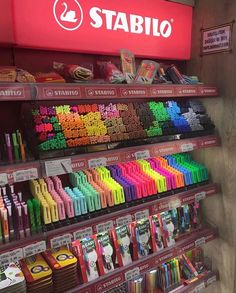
(71, 91)
(19, 172)
(98, 221)
(121, 275)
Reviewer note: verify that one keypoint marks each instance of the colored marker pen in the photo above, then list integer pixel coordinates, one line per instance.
(5, 224)
(9, 147)
(26, 220)
(22, 147)
(15, 147)
(10, 221)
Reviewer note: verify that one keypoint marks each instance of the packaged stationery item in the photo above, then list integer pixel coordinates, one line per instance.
(49, 77)
(38, 274)
(128, 65)
(24, 76)
(7, 73)
(12, 279)
(156, 233)
(64, 267)
(110, 72)
(146, 72)
(105, 246)
(122, 244)
(74, 72)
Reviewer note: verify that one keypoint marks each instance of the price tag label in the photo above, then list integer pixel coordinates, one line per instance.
(199, 288)
(61, 240)
(34, 248)
(123, 220)
(58, 167)
(104, 226)
(99, 162)
(142, 155)
(141, 215)
(80, 234)
(174, 204)
(200, 196)
(201, 241)
(3, 179)
(211, 280)
(11, 256)
(24, 175)
(187, 147)
(131, 274)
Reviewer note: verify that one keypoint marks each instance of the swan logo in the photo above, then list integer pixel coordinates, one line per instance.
(68, 14)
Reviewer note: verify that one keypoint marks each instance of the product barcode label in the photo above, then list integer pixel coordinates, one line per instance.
(99, 162)
(211, 280)
(201, 241)
(3, 179)
(34, 248)
(199, 288)
(24, 175)
(61, 240)
(174, 204)
(104, 226)
(123, 220)
(131, 274)
(142, 155)
(80, 234)
(58, 167)
(11, 256)
(141, 215)
(187, 147)
(200, 196)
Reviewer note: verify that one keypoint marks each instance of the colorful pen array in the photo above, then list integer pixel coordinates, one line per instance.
(13, 148)
(67, 126)
(91, 191)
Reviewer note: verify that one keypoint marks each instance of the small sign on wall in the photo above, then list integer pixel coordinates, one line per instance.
(217, 39)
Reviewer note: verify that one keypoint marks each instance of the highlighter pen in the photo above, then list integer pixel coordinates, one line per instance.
(22, 147)
(9, 147)
(15, 147)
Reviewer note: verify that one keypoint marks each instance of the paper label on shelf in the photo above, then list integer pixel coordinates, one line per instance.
(58, 167)
(199, 288)
(80, 234)
(200, 196)
(3, 179)
(211, 280)
(104, 226)
(24, 175)
(11, 256)
(142, 155)
(131, 274)
(123, 220)
(99, 162)
(174, 204)
(187, 147)
(34, 248)
(61, 240)
(141, 215)
(201, 241)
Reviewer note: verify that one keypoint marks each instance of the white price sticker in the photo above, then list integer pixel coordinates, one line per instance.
(80, 234)
(174, 204)
(123, 220)
(3, 179)
(24, 175)
(58, 167)
(200, 196)
(201, 241)
(199, 288)
(141, 215)
(99, 162)
(103, 227)
(211, 280)
(11, 256)
(142, 155)
(131, 274)
(34, 248)
(61, 240)
(187, 147)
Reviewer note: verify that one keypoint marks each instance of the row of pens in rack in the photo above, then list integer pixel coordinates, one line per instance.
(52, 205)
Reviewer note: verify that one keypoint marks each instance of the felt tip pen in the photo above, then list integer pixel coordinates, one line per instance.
(5, 224)
(22, 147)
(10, 221)
(20, 221)
(15, 147)
(26, 219)
(9, 147)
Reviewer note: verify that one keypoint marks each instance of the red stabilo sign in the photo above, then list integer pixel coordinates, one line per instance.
(157, 28)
